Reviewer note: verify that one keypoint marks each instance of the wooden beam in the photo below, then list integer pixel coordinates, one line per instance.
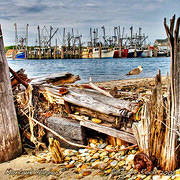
(10, 141)
(110, 131)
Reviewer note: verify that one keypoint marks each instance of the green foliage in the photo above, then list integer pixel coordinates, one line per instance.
(8, 47)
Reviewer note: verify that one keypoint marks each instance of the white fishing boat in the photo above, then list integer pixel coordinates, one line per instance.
(105, 53)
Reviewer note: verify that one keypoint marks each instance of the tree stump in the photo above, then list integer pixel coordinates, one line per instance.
(10, 142)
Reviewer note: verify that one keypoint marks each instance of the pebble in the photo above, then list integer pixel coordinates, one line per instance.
(82, 151)
(121, 163)
(130, 158)
(86, 172)
(101, 146)
(92, 145)
(106, 159)
(95, 156)
(114, 163)
(96, 165)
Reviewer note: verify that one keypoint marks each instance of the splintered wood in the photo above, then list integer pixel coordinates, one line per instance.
(76, 102)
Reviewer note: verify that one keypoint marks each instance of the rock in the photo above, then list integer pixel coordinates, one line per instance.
(114, 163)
(99, 165)
(70, 166)
(103, 154)
(133, 151)
(121, 163)
(101, 146)
(130, 158)
(108, 171)
(128, 167)
(84, 154)
(88, 159)
(165, 177)
(51, 177)
(69, 152)
(112, 154)
(78, 176)
(74, 158)
(95, 156)
(92, 145)
(67, 158)
(142, 176)
(106, 159)
(109, 147)
(82, 151)
(86, 172)
(78, 164)
(92, 151)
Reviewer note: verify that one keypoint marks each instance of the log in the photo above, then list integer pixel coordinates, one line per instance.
(55, 79)
(110, 131)
(10, 141)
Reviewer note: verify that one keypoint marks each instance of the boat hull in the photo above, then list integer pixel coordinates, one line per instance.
(132, 54)
(108, 54)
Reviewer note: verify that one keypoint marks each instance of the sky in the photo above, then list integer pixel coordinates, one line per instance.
(83, 14)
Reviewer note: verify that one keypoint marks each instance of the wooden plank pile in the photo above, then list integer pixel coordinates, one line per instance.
(55, 97)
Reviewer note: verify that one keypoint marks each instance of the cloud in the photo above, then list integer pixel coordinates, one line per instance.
(82, 14)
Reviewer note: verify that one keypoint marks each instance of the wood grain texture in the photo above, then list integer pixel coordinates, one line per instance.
(10, 142)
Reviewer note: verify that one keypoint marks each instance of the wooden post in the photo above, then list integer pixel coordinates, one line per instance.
(10, 142)
(120, 48)
(135, 53)
(62, 52)
(170, 151)
(157, 134)
(100, 50)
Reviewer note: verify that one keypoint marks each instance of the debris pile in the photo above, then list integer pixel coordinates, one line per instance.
(51, 108)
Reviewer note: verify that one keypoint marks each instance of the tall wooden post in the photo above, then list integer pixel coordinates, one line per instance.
(62, 52)
(100, 50)
(170, 152)
(120, 48)
(10, 142)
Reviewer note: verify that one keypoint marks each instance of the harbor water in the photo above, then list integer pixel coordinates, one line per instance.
(98, 69)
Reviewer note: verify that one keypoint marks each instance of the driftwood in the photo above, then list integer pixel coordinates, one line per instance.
(100, 103)
(75, 144)
(18, 78)
(110, 131)
(99, 89)
(10, 141)
(55, 79)
(117, 103)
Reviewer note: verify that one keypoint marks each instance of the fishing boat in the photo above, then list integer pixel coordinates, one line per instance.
(134, 53)
(105, 53)
(20, 55)
(124, 53)
(146, 53)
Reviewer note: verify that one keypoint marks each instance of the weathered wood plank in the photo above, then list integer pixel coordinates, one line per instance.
(10, 142)
(55, 79)
(117, 103)
(110, 131)
(81, 98)
(68, 128)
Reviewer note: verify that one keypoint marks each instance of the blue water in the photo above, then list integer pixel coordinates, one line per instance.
(98, 69)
